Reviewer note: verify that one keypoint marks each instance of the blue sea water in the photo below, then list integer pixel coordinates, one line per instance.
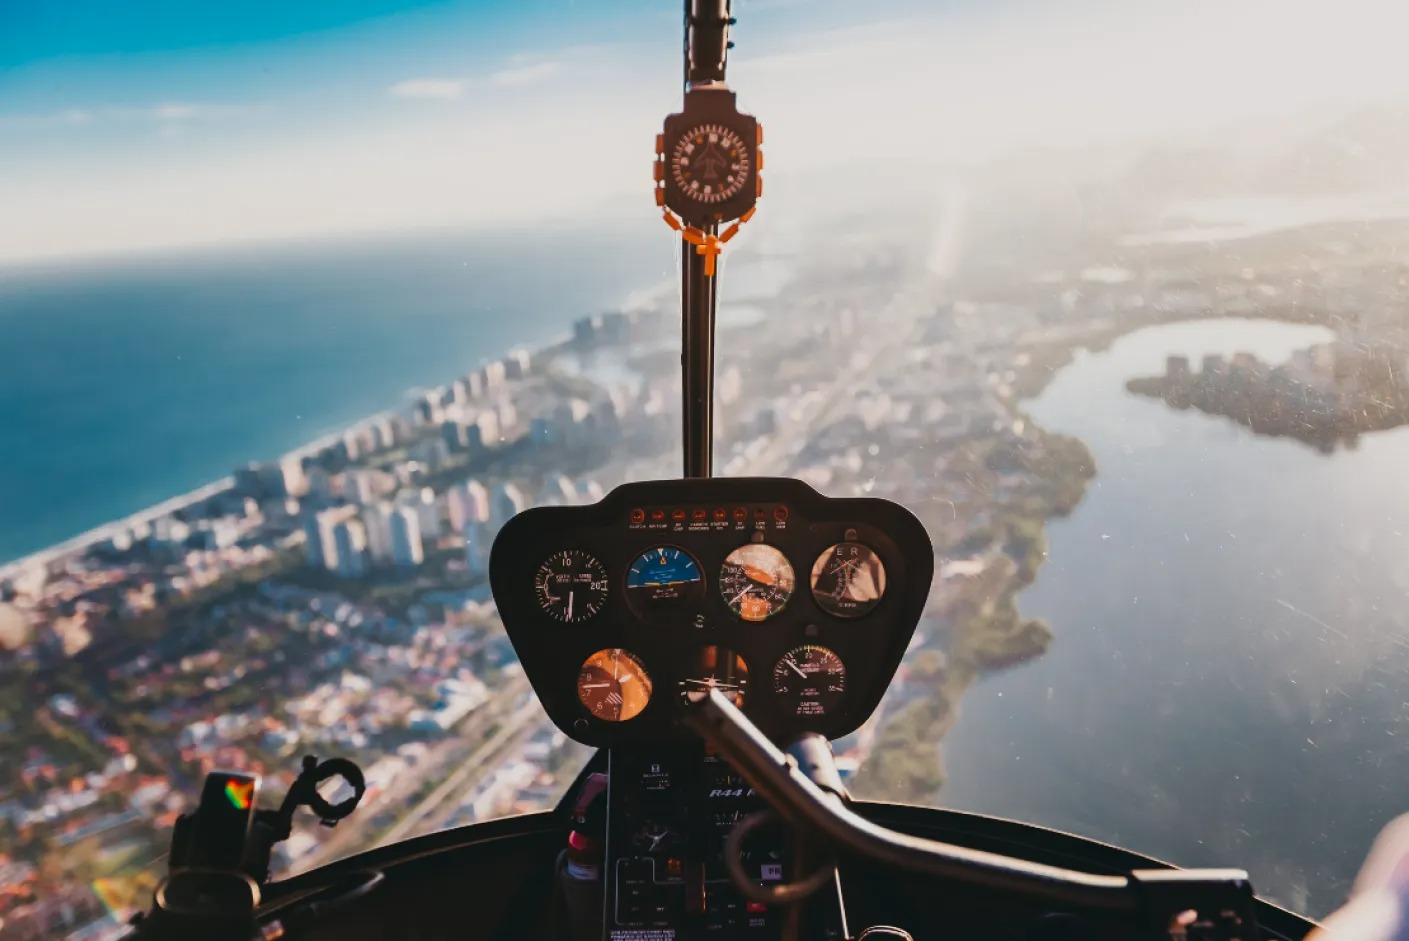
(125, 383)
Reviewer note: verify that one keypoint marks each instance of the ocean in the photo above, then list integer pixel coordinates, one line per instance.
(126, 383)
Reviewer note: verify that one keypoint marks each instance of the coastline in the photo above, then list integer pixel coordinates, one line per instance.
(85, 540)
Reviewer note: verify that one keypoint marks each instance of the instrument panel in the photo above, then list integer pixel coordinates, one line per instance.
(797, 606)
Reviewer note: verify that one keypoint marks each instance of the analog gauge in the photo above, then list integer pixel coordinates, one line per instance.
(848, 580)
(662, 579)
(710, 163)
(810, 680)
(571, 585)
(654, 837)
(613, 685)
(756, 581)
(716, 668)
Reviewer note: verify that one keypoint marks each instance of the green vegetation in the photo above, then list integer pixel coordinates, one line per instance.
(1029, 479)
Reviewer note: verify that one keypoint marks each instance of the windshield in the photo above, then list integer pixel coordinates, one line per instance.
(300, 302)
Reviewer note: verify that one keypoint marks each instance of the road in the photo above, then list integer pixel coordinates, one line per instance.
(350, 838)
(441, 803)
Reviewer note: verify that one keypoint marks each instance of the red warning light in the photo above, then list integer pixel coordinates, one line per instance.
(741, 513)
(638, 516)
(678, 515)
(780, 513)
(658, 516)
(698, 515)
(720, 514)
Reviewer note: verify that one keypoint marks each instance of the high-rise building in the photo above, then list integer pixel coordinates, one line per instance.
(454, 436)
(428, 408)
(427, 510)
(507, 414)
(350, 538)
(479, 539)
(406, 548)
(377, 519)
(321, 545)
(320, 484)
(483, 431)
(505, 503)
(349, 446)
(383, 434)
(281, 478)
(287, 477)
(474, 385)
(477, 496)
(517, 364)
(559, 489)
(458, 509)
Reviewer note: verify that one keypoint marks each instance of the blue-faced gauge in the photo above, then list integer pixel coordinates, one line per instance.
(663, 579)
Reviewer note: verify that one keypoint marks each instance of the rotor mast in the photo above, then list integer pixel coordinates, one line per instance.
(706, 50)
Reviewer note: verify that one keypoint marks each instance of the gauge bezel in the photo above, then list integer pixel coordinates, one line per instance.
(640, 669)
(606, 592)
(698, 591)
(741, 698)
(773, 611)
(789, 707)
(826, 605)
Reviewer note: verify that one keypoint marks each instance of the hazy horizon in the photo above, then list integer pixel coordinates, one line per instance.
(375, 119)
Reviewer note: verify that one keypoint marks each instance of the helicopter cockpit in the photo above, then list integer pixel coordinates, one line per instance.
(709, 637)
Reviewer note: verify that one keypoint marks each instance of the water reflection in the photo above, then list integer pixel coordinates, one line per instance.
(1227, 683)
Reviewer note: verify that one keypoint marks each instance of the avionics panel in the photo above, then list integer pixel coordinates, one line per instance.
(670, 811)
(796, 605)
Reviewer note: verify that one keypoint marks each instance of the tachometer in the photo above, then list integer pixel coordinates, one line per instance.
(810, 680)
(716, 668)
(848, 580)
(663, 578)
(571, 585)
(613, 685)
(756, 581)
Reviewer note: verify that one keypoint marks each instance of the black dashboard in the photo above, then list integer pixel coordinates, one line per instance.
(797, 606)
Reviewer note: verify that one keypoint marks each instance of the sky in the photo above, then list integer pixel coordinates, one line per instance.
(153, 124)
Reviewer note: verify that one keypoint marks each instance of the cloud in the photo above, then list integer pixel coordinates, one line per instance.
(525, 74)
(428, 89)
(166, 112)
(926, 91)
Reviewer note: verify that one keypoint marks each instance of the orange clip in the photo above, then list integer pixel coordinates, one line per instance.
(672, 221)
(709, 248)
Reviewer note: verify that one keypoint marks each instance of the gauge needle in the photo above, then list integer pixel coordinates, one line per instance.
(740, 596)
(796, 669)
(570, 594)
(595, 685)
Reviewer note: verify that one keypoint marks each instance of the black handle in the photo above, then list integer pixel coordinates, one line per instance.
(707, 42)
(803, 804)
